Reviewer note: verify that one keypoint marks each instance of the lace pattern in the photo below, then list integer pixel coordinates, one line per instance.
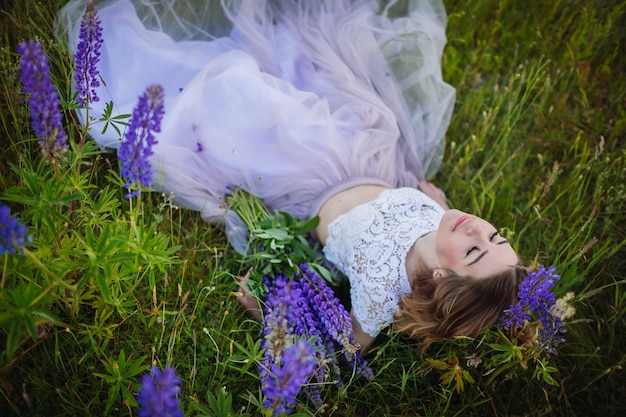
(369, 245)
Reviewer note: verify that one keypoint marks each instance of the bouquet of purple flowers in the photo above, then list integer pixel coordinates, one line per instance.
(307, 332)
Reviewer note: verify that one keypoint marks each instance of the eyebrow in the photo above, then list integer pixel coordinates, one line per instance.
(485, 252)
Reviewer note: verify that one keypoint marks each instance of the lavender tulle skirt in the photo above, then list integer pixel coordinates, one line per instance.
(291, 100)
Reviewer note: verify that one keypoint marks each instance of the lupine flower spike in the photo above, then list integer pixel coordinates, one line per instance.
(334, 319)
(43, 103)
(536, 301)
(13, 235)
(158, 396)
(136, 147)
(287, 377)
(297, 309)
(87, 56)
(282, 370)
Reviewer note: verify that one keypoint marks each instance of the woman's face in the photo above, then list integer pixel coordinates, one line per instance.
(471, 246)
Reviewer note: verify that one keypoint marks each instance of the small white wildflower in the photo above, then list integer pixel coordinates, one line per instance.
(473, 361)
(562, 308)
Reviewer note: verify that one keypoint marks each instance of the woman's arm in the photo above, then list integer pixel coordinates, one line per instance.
(359, 336)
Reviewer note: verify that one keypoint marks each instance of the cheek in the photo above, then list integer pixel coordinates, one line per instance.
(449, 251)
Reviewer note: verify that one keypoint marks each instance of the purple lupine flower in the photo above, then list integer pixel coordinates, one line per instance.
(13, 235)
(285, 308)
(362, 367)
(288, 376)
(305, 308)
(332, 313)
(278, 332)
(87, 56)
(158, 396)
(536, 300)
(515, 316)
(307, 325)
(138, 140)
(275, 325)
(43, 103)
(334, 319)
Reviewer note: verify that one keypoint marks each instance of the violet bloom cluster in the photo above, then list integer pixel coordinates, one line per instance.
(334, 320)
(158, 396)
(139, 139)
(43, 103)
(536, 302)
(13, 235)
(280, 380)
(87, 56)
(287, 376)
(304, 308)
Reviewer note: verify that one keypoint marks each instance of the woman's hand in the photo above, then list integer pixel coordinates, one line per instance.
(433, 192)
(247, 300)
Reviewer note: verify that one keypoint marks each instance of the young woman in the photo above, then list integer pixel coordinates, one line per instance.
(333, 108)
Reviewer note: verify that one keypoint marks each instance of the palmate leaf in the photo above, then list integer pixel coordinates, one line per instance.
(22, 310)
(120, 374)
(116, 122)
(452, 371)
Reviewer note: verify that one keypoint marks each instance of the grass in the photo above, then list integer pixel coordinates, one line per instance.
(535, 144)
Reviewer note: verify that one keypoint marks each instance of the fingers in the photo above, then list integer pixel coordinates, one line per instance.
(244, 290)
(433, 192)
(247, 276)
(246, 299)
(427, 186)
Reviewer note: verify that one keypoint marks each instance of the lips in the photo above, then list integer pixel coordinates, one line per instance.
(460, 220)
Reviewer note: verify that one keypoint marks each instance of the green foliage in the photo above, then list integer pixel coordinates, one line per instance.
(120, 376)
(272, 235)
(217, 406)
(108, 287)
(278, 242)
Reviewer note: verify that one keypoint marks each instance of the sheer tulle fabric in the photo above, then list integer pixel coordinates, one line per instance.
(290, 100)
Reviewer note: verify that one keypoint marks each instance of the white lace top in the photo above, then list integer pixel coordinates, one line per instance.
(369, 244)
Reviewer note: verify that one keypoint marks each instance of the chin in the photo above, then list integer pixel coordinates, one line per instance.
(449, 218)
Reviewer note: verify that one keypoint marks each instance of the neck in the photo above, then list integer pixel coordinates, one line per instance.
(422, 256)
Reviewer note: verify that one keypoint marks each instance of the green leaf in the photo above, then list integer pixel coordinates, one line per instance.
(103, 285)
(322, 271)
(278, 234)
(108, 378)
(128, 396)
(439, 364)
(114, 393)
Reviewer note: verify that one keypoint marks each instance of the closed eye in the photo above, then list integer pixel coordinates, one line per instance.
(502, 242)
(473, 248)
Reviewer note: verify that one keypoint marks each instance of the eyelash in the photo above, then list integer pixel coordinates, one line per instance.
(473, 248)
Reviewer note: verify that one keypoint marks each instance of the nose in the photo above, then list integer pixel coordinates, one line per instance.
(471, 227)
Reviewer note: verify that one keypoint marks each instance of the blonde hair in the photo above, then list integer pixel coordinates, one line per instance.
(455, 305)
